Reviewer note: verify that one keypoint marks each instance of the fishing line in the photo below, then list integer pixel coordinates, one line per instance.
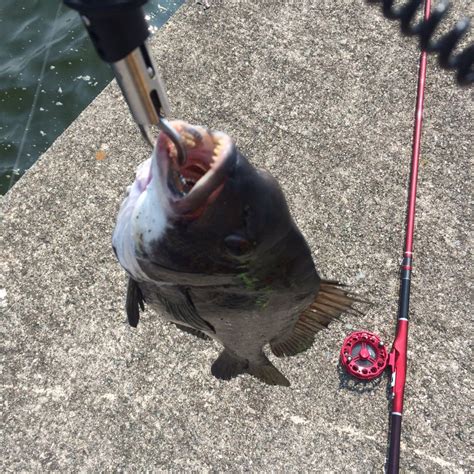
(36, 95)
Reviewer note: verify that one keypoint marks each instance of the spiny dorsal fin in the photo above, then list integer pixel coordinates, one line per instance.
(333, 299)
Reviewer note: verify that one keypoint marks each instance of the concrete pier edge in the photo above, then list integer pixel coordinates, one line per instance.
(320, 93)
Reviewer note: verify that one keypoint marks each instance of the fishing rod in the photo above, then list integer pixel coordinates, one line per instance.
(363, 354)
(398, 356)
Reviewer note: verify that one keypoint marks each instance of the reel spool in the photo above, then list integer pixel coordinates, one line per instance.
(363, 355)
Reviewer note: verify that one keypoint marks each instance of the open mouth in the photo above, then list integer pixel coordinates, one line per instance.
(198, 181)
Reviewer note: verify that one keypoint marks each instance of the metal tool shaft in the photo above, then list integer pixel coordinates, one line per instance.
(118, 30)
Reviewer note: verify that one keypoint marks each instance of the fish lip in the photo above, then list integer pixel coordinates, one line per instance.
(210, 157)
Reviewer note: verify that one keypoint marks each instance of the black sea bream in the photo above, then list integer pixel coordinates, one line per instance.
(211, 245)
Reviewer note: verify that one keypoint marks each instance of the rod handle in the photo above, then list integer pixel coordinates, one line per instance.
(394, 450)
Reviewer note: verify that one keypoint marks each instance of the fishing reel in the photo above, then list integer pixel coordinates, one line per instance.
(462, 62)
(364, 355)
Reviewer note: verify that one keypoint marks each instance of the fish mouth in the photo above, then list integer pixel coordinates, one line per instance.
(196, 183)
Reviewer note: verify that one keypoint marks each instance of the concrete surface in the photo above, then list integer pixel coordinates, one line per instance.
(321, 94)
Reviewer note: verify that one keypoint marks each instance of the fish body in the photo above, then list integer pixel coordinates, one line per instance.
(211, 245)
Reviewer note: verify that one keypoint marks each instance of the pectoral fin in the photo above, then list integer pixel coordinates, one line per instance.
(178, 303)
(193, 331)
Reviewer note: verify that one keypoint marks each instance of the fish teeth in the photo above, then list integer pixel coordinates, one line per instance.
(189, 140)
(218, 146)
(192, 134)
(190, 143)
(172, 152)
(216, 140)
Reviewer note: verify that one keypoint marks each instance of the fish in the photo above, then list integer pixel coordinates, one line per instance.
(211, 246)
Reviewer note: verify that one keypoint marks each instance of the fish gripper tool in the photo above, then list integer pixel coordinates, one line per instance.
(118, 30)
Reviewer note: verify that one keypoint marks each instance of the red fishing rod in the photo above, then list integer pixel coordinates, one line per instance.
(398, 355)
(363, 354)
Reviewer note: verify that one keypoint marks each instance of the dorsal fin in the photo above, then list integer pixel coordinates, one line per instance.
(332, 300)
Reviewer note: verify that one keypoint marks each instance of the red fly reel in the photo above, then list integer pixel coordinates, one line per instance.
(363, 355)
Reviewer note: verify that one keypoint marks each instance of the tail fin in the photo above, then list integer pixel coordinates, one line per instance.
(333, 299)
(228, 366)
(268, 373)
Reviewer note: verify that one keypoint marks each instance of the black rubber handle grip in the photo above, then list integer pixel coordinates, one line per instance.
(394, 452)
(116, 27)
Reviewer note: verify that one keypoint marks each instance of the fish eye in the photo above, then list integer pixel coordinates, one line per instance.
(238, 245)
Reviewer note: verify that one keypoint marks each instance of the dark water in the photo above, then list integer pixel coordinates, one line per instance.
(49, 72)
